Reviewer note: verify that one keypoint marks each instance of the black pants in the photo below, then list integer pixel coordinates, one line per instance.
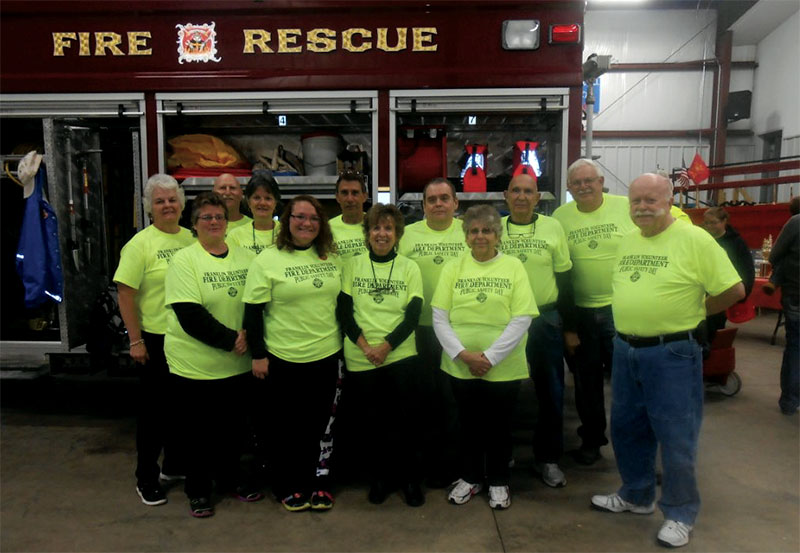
(155, 422)
(301, 398)
(212, 420)
(485, 410)
(388, 422)
(589, 365)
(437, 407)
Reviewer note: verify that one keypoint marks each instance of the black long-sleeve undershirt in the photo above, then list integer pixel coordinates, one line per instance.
(254, 325)
(566, 301)
(201, 325)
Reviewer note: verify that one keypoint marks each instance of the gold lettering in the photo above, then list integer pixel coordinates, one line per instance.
(107, 41)
(61, 41)
(257, 37)
(287, 40)
(137, 41)
(83, 40)
(321, 40)
(423, 39)
(402, 35)
(347, 39)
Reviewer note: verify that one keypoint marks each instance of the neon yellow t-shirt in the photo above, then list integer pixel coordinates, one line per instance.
(430, 249)
(379, 309)
(196, 276)
(593, 239)
(251, 239)
(542, 248)
(301, 290)
(349, 238)
(143, 266)
(679, 214)
(245, 220)
(482, 298)
(660, 283)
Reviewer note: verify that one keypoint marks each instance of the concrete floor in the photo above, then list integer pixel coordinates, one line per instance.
(67, 484)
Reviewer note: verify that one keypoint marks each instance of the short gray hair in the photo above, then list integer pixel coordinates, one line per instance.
(165, 182)
(578, 163)
(483, 213)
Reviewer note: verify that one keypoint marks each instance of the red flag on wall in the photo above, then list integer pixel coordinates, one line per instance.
(698, 170)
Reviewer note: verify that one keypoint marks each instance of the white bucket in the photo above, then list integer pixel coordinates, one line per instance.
(320, 151)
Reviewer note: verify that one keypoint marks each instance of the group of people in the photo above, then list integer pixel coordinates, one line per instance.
(429, 330)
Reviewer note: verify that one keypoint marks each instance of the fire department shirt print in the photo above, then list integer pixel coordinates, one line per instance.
(197, 43)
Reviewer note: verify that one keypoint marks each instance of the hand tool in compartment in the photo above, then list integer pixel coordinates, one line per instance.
(73, 229)
(86, 238)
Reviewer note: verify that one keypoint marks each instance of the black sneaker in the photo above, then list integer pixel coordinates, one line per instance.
(200, 507)
(412, 491)
(247, 494)
(586, 455)
(296, 502)
(151, 494)
(321, 501)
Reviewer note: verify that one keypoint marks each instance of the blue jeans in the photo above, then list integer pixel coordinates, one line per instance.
(790, 368)
(545, 353)
(596, 332)
(658, 399)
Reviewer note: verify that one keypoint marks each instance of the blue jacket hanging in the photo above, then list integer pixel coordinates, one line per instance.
(38, 253)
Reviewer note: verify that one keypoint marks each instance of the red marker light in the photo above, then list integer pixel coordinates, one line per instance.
(565, 34)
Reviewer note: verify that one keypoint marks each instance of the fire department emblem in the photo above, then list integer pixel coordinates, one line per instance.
(481, 297)
(593, 244)
(635, 276)
(438, 260)
(197, 43)
(523, 257)
(232, 292)
(317, 283)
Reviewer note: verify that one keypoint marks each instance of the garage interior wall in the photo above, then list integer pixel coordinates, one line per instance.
(682, 100)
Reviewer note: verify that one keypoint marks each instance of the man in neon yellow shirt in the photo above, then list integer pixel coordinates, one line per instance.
(431, 243)
(594, 223)
(539, 242)
(667, 276)
(231, 191)
(348, 232)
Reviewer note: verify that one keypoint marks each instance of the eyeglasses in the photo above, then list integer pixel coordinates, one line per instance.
(304, 218)
(209, 218)
(579, 182)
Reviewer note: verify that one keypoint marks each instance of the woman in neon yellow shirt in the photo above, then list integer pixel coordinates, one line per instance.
(290, 318)
(380, 304)
(263, 196)
(140, 282)
(206, 350)
(482, 308)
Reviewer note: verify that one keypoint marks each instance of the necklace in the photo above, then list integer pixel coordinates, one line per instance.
(258, 248)
(533, 230)
(377, 291)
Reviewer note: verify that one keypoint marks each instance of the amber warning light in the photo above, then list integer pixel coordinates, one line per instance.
(565, 34)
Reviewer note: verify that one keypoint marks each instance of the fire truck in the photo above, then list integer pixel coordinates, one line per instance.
(402, 91)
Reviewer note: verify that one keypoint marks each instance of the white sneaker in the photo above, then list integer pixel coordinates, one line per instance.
(674, 533)
(499, 497)
(171, 477)
(613, 503)
(551, 475)
(462, 492)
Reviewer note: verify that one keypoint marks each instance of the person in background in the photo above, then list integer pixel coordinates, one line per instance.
(140, 282)
(206, 350)
(381, 300)
(430, 243)
(263, 197)
(482, 308)
(347, 228)
(785, 260)
(539, 242)
(227, 186)
(666, 277)
(715, 221)
(293, 333)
